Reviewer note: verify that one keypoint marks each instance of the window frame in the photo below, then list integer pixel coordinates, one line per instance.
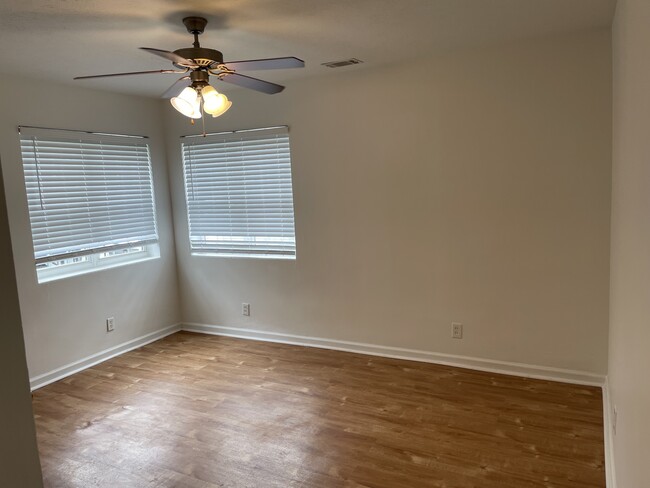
(254, 252)
(92, 146)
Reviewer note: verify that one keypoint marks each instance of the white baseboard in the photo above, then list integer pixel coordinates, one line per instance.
(76, 366)
(489, 365)
(608, 426)
(480, 364)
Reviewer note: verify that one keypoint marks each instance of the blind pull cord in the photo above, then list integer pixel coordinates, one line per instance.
(38, 174)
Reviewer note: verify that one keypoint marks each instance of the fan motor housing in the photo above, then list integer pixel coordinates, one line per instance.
(200, 55)
(199, 78)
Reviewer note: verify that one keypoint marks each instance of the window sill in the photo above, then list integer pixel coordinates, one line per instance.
(283, 257)
(55, 274)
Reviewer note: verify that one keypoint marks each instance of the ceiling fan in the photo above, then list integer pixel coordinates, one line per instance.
(192, 94)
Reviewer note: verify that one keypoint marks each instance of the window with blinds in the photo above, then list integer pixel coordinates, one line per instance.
(87, 195)
(238, 193)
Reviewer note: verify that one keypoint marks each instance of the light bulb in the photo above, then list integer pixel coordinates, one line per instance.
(187, 102)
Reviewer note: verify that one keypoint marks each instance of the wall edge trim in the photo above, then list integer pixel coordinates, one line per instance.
(608, 427)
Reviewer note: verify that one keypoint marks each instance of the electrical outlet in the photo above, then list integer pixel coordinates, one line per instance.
(110, 324)
(456, 330)
(246, 309)
(615, 419)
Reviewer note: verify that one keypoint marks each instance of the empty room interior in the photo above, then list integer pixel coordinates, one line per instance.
(292, 243)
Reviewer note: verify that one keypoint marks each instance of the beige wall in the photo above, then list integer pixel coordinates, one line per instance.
(64, 320)
(472, 188)
(629, 355)
(19, 465)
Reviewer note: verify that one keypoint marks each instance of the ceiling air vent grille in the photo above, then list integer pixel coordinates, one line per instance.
(345, 62)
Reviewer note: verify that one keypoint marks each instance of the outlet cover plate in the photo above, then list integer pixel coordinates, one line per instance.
(456, 330)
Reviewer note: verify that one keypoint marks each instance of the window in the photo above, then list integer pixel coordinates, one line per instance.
(238, 193)
(90, 200)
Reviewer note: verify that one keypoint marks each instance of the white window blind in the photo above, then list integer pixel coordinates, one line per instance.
(87, 193)
(238, 192)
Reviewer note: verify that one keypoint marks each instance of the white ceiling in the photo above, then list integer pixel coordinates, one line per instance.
(59, 39)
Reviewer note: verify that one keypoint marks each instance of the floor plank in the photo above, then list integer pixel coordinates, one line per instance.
(202, 411)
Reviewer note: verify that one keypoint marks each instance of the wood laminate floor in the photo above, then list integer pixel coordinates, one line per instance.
(204, 411)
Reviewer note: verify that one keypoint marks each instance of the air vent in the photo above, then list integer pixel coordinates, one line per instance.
(345, 62)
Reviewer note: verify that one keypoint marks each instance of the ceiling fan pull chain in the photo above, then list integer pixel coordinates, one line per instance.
(203, 118)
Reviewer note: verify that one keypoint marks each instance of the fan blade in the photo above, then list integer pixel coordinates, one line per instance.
(271, 63)
(177, 87)
(252, 83)
(158, 71)
(173, 57)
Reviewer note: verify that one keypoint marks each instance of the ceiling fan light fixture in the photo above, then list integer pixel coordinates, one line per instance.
(214, 103)
(225, 108)
(210, 97)
(187, 103)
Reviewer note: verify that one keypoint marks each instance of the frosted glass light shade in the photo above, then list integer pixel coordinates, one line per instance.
(187, 102)
(214, 103)
(210, 97)
(224, 107)
(196, 109)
